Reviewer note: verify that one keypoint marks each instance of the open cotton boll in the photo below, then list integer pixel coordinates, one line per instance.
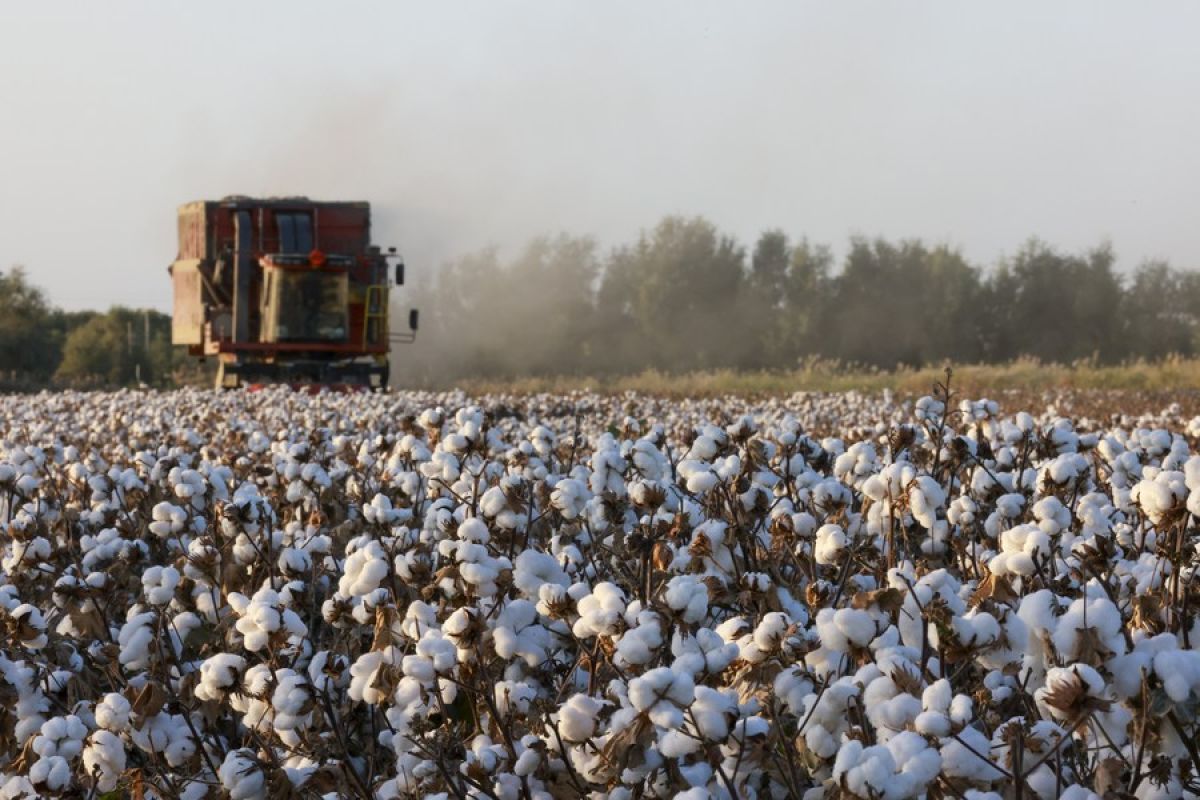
(380, 511)
(844, 628)
(52, 773)
(569, 498)
(264, 616)
(29, 624)
(218, 675)
(1161, 496)
(1179, 671)
(364, 570)
(1021, 548)
(514, 697)
(677, 744)
(639, 644)
(1072, 691)
(104, 758)
(167, 519)
(688, 596)
(713, 712)
(831, 542)
(533, 570)
(136, 639)
(60, 736)
(661, 693)
(865, 771)
(1090, 630)
(601, 613)
(698, 476)
(577, 717)
(888, 708)
(112, 713)
(242, 776)
(292, 702)
(159, 584)
(925, 497)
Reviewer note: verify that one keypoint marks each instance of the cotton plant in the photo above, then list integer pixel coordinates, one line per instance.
(431, 594)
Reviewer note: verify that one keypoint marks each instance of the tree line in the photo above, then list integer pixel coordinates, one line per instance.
(41, 345)
(685, 296)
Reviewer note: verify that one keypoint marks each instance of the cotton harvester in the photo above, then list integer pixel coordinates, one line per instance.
(285, 290)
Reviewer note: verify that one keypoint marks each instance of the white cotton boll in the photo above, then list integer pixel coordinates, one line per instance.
(364, 686)
(104, 758)
(661, 693)
(1161, 495)
(112, 713)
(699, 481)
(159, 583)
(1019, 547)
(242, 777)
(770, 631)
(527, 763)
(534, 570)
(29, 618)
(494, 505)
(937, 696)
(364, 570)
(677, 744)
(959, 759)
(639, 645)
(962, 709)
(569, 498)
(1179, 671)
(1079, 676)
(167, 520)
(577, 717)
(474, 530)
(917, 763)
(60, 736)
(219, 674)
(1088, 622)
(136, 639)
(264, 616)
(53, 773)
(713, 712)
(856, 625)
(687, 595)
(291, 701)
(925, 497)
(513, 697)
(830, 544)
(864, 771)
(601, 612)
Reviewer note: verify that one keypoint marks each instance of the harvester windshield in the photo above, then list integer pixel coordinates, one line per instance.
(306, 306)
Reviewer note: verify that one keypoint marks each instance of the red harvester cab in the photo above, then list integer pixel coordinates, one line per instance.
(285, 290)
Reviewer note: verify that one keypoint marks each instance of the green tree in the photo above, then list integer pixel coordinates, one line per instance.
(1158, 311)
(680, 284)
(28, 348)
(763, 310)
(119, 348)
(1061, 307)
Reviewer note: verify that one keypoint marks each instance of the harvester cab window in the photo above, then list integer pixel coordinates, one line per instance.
(295, 232)
(308, 306)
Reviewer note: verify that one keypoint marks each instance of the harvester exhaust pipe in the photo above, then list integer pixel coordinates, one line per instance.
(243, 265)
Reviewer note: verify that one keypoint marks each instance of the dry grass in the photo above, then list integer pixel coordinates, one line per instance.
(1026, 375)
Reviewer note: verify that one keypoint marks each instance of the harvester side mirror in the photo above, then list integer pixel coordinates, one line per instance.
(399, 273)
(413, 318)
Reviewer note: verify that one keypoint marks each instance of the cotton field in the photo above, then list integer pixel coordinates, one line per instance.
(281, 595)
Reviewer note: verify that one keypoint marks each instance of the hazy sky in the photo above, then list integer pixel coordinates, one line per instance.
(475, 123)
